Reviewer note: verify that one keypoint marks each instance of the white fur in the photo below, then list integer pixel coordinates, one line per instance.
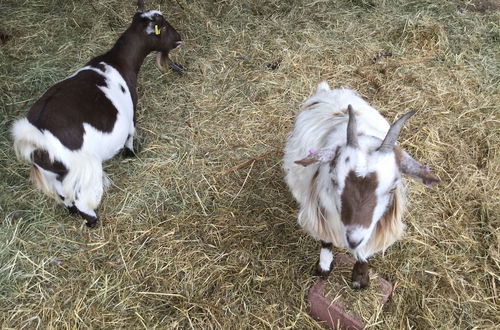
(150, 13)
(85, 182)
(149, 29)
(320, 128)
(325, 259)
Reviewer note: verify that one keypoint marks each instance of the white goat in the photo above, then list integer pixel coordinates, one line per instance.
(344, 169)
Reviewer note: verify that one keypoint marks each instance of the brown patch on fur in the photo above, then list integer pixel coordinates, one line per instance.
(342, 113)
(333, 162)
(358, 199)
(67, 105)
(315, 177)
(42, 159)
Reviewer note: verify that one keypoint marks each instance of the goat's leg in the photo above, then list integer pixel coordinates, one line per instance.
(128, 150)
(360, 275)
(325, 263)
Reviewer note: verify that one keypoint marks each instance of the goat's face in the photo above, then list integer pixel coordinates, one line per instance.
(160, 35)
(365, 181)
(370, 175)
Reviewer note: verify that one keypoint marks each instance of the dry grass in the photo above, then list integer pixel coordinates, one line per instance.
(365, 304)
(187, 244)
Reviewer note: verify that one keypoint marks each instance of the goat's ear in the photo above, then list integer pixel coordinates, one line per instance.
(413, 168)
(140, 6)
(322, 86)
(322, 156)
(306, 161)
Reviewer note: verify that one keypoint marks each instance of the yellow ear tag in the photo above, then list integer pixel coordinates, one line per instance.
(157, 30)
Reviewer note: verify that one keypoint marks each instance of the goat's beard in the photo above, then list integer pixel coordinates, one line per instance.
(162, 60)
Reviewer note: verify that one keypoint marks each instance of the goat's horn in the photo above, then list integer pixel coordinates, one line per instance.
(352, 137)
(140, 6)
(392, 135)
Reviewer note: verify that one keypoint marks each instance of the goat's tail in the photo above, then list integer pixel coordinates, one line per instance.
(27, 138)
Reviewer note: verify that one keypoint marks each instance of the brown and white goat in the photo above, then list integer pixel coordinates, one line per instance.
(344, 168)
(90, 116)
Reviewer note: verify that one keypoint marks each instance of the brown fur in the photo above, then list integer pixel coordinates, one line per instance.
(67, 105)
(333, 162)
(358, 199)
(42, 159)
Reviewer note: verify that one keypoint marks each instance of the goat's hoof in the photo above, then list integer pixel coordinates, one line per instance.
(359, 284)
(72, 210)
(91, 224)
(320, 272)
(127, 153)
(360, 275)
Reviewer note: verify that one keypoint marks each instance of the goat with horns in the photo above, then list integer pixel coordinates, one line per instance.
(344, 168)
(90, 116)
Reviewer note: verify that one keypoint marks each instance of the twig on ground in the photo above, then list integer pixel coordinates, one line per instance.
(252, 160)
(374, 81)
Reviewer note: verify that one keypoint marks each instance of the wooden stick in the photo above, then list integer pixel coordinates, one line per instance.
(252, 160)
(374, 81)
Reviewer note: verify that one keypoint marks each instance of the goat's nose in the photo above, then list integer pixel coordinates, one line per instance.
(353, 244)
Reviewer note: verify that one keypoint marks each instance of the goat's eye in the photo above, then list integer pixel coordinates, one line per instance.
(393, 190)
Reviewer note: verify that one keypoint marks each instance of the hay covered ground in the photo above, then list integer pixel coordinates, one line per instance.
(189, 239)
